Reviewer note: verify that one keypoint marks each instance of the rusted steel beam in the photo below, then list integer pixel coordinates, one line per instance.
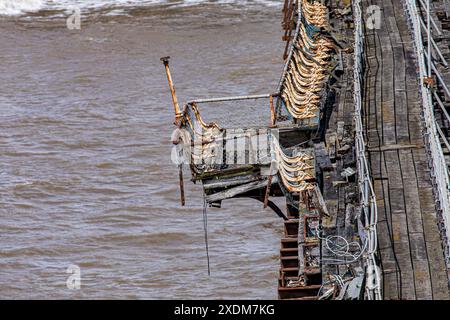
(288, 26)
(176, 106)
(233, 98)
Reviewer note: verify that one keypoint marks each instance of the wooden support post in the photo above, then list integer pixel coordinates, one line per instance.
(181, 185)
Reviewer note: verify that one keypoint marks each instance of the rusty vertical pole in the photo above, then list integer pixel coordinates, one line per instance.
(273, 116)
(176, 107)
(269, 184)
(178, 115)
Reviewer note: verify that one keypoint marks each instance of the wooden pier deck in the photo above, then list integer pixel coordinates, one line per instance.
(412, 260)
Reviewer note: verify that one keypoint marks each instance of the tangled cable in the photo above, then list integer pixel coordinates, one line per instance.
(335, 279)
(341, 250)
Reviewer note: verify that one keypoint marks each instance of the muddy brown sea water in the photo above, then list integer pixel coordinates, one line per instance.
(85, 170)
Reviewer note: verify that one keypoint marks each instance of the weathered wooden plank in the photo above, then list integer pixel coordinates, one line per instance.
(438, 276)
(392, 147)
(229, 182)
(422, 276)
(401, 246)
(230, 193)
(412, 203)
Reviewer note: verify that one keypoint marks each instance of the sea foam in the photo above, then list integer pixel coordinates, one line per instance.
(21, 7)
(17, 7)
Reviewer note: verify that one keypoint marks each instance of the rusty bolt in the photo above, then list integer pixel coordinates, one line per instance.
(165, 60)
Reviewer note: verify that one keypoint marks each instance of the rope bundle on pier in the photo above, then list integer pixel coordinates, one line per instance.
(296, 172)
(315, 12)
(198, 140)
(307, 67)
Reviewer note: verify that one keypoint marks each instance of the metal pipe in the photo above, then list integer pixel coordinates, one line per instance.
(444, 62)
(443, 137)
(438, 75)
(235, 98)
(176, 107)
(432, 20)
(444, 85)
(441, 104)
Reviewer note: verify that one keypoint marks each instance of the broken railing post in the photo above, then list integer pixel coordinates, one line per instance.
(178, 115)
(180, 172)
(269, 183)
(273, 116)
(176, 107)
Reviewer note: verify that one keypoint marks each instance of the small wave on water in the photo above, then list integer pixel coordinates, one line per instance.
(23, 7)
(17, 7)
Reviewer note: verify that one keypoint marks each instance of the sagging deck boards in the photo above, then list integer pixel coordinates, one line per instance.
(412, 259)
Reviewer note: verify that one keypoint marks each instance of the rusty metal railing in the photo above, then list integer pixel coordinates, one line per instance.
(288, 24)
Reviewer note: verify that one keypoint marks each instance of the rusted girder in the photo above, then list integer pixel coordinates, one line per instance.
(176, 106)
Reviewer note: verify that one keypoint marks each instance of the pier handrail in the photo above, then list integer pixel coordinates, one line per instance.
(438, 164)
(367, 195)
